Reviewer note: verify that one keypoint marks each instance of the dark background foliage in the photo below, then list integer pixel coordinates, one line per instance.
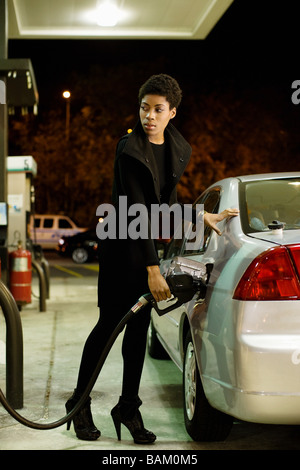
(236, 111)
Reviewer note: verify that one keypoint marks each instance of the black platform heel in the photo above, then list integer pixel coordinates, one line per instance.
(127, 413)
(83, 420)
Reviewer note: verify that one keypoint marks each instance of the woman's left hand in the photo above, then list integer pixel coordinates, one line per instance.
(212, 219)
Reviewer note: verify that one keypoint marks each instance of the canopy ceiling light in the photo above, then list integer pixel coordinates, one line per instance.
(107, 14)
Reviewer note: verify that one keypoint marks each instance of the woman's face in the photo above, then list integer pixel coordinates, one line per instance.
(155, 114)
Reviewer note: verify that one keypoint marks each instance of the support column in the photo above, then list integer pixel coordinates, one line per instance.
(3, 107)
(3, 139)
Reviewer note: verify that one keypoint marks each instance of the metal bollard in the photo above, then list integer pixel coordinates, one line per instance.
(42, 283)
(46, 269)
(14, 348)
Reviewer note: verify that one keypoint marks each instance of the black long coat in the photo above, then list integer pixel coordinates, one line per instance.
(123, 262)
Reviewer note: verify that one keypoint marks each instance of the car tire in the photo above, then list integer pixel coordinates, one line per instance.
(80, 255)
(202, 421)
(155, 348)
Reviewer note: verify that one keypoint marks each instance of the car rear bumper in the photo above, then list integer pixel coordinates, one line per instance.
(254, 406)
(259, 379)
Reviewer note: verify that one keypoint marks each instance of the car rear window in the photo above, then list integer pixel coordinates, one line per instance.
(262, 202)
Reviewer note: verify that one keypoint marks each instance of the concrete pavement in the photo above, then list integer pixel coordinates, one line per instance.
(53, 342)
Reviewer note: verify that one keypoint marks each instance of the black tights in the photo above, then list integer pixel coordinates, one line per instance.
(133, 346)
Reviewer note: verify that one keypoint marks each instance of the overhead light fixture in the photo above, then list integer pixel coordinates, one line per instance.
(107, 14)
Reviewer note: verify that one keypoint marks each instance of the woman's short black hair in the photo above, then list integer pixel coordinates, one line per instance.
(162, 85)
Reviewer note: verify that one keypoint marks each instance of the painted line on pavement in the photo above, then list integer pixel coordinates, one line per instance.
(73, 273)
(91, 267)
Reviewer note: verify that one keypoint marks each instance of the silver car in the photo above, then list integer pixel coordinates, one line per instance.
(239, 348)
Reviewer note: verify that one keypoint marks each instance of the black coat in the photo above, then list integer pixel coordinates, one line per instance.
(136, 176)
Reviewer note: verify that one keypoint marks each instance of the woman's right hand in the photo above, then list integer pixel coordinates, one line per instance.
(157, 284)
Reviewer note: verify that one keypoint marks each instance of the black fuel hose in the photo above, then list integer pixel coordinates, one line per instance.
(143, 300)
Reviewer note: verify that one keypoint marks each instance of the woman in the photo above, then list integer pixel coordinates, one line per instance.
(148, 165)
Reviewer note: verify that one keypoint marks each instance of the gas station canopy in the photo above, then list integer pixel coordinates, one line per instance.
(114, 19)
(99, 19)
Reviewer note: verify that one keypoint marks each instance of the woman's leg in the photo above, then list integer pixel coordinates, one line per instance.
(93, 349)
(133, 351)
(113, 307)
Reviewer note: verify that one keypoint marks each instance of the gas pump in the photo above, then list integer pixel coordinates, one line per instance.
(20, 173)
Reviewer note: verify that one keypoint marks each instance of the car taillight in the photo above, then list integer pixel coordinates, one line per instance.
(273, 275)
(295, 253)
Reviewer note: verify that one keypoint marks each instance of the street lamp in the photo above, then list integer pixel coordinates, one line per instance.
(67, 96)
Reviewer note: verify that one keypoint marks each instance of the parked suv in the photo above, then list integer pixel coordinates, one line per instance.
(47, 229)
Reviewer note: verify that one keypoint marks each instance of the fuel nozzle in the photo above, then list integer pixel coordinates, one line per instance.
(183, 287)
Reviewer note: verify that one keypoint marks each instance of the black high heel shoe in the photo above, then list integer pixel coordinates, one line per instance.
(127, 413)
(83, 420)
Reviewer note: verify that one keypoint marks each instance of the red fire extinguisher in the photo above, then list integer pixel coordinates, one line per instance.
(20, 275)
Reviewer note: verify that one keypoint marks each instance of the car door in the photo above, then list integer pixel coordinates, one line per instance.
(168, 325)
